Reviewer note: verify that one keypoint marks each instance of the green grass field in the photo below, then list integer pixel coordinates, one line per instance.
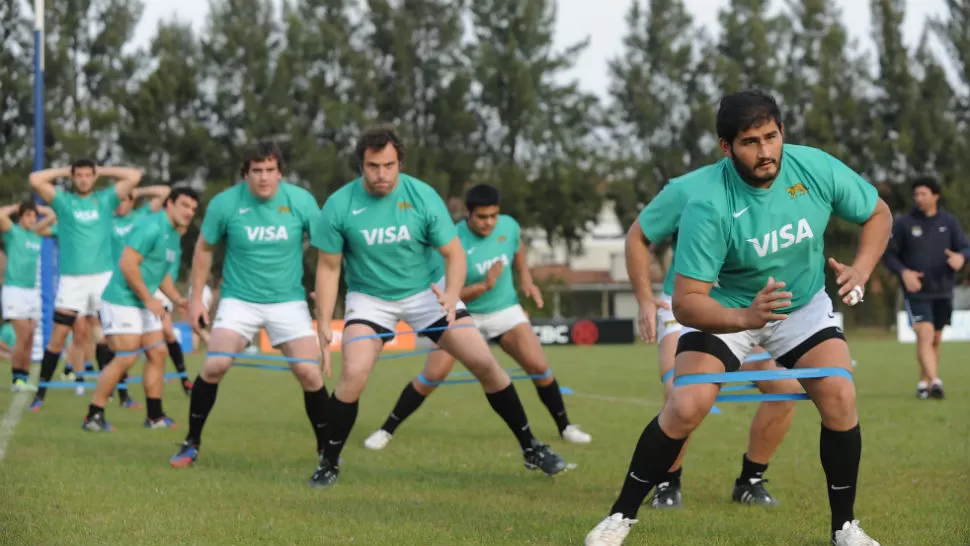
(453, 473)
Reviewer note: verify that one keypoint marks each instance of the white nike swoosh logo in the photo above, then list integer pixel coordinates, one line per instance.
(470, 250)
(834, 488)
(243, 211)
(742, 211)
(358, 211)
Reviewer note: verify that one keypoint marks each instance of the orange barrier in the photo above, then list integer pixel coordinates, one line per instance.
(406, 342)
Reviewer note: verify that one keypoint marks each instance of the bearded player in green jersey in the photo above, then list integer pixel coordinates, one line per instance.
(263, 223)
(384, 227)
(493, 246)
(657, 222)
(757, 231)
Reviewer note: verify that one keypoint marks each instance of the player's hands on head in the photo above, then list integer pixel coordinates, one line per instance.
(850, 280)
(647, 319)
(448, 303)
(769, 299)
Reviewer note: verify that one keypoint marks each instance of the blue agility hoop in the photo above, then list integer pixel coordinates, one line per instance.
(761, 375)
(393, 334)
(92, 384)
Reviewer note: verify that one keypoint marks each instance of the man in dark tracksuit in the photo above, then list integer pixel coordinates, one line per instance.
(927, 248)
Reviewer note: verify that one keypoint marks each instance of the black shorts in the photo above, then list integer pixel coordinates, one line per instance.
(937, 311)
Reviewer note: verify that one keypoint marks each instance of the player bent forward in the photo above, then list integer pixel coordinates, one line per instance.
(657, 222)
(262, 223)
(130, 314)
(489, 294)
(788, 192)
(385, 227)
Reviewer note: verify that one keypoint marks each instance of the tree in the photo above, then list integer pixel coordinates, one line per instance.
(423, 83)
(247, 87)
(88, 69)
(748, 52)
(661, 114)
(16, 109)
(328, 92)
(538, 132)
(163, 133)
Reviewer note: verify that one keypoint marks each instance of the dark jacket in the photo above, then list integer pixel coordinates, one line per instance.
(919, 242)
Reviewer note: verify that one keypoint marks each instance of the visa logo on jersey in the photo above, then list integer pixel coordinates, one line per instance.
(86, 215)
(487, 264)
(386, 235)
(769, 242)
(267, 233)
(122, 231)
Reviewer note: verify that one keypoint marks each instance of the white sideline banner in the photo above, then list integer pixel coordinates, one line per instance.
(958, 330)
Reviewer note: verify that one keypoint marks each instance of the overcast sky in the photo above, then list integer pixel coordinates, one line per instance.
(601, 20)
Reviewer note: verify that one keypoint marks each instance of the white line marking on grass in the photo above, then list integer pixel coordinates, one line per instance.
(12, 418)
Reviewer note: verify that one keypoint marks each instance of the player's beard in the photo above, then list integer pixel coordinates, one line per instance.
(748, 174)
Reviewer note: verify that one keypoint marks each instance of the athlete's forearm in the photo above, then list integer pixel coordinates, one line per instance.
(201, 264)
(873, 239)
(126, 178)
(132, 273)
(171, 292)
(455, 269)
(638, 264)
(704, 313)
(473, 291)
(327, 284)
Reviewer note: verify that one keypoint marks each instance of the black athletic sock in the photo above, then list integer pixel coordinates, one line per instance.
(673, 478)
(751, 470)
(104, 355)
(840, 453)
(19, 374)
(341, 417)
(507, 404)
(94, 411)
(655, 453)
(123, 393)
(409, 401)
(48, 365)
(154, 408)
(552, 398)
(203, 398)
(175, 352)
(315, 404)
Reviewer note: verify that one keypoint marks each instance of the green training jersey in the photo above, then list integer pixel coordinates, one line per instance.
(121, 225)
(155, 238)
(264, 241)
(23, 252)
(483, 252)
(388, 243)
(660, 219)
(737, 236)
(84, 231)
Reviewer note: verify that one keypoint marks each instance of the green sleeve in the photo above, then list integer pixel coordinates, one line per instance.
(702, 243)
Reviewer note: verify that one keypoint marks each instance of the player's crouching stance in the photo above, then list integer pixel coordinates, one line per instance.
(262, 222)
(130, 314)
(489, 239)
(727, 297)
(385, 227)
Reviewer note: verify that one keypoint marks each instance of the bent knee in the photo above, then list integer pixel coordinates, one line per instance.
(688, 406)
